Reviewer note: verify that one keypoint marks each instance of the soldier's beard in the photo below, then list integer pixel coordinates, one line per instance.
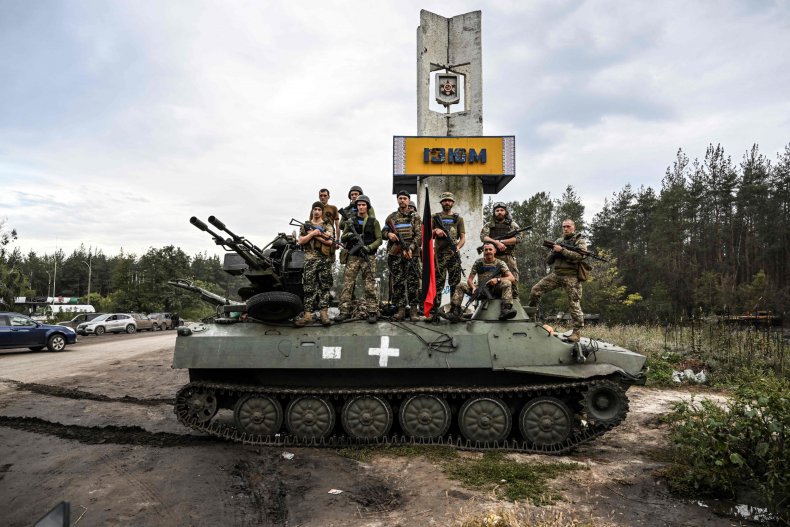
(447, 208)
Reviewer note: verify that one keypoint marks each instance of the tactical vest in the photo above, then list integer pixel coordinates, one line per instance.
(451, 224)
(562, 265)
(486, 271)
(368, 231)
(403, 226)
(499, 230)
(314, 245)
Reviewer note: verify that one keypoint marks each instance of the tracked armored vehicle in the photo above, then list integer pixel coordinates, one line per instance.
(480, 384)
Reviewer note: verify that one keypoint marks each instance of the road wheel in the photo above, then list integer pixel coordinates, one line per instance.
(99, 330)
(258, 415)
(366, 417)
(201, 404)
(155, 327)
(310, 417)
(484, 419)
(545, 422)
(56, 342)
(274, 306)
(425, 416)
(130, 329)
(36, 348)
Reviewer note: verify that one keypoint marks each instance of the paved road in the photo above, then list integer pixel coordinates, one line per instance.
(26, 366)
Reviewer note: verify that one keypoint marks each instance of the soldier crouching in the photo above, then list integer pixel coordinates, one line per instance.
(492, 273)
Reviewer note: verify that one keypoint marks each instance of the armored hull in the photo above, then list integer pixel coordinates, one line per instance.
(479, 384)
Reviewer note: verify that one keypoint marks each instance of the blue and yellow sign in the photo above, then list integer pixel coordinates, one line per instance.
(493, 159)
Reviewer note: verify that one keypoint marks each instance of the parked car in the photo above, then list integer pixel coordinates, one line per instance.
(144, 323)
(163, 320)
(79, 319)
(20, 331)
(110, 322)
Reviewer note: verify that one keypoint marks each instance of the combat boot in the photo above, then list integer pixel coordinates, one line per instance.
(307, 318)
(455, 313)
(325, 317)
(414, 316)
(400, 315)
(507, 312)
(575, 335)
(373, 318)
(343, 316)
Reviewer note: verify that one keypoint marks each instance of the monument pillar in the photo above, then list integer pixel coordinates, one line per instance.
(452, 44)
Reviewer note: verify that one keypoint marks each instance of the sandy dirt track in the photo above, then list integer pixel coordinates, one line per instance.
(94, 426)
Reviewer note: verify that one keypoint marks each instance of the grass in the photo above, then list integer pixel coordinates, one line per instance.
(726, 353)
(493, 471)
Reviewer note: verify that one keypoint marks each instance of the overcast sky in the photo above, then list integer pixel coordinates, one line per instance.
(120, 120)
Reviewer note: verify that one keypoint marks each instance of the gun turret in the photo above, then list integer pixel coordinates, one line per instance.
(249, 252)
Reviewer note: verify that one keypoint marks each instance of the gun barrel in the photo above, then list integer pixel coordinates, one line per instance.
(206, 295)
(218, 224)
(197, 223)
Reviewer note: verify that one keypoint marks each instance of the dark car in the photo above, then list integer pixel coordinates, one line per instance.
(20, 331)
(79, 319)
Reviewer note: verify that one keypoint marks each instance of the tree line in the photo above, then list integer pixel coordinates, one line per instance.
(710, 240)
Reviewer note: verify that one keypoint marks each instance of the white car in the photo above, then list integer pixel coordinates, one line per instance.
(109, 323)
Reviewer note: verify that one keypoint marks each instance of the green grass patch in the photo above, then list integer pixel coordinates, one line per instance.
(509, 479)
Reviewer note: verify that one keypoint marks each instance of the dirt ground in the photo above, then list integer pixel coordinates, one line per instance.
(94, 426)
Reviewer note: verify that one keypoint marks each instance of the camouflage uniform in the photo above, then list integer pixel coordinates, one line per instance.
(371, 233)
(484, 272)
(496, 229)
(445, 261)
(404, 274)
(317, 275)
(565, 275)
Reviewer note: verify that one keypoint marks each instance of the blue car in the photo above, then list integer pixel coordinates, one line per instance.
(20, 331)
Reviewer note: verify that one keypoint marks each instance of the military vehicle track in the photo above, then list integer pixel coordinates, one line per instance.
(555, 412)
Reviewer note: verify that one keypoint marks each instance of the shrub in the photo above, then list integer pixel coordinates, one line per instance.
(718, 451)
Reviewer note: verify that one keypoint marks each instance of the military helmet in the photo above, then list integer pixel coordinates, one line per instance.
(446, 195)
(352, 189)
(364, 198)
(412, 204)
(499, 205)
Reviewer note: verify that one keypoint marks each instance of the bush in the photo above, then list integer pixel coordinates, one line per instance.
(720, 451)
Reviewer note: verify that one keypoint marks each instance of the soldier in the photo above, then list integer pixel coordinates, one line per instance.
(566, 275)
(412, 207)
(331, 212)
(501, 225)
(448, 231)
(361, 257)
(402, 227)
(317, 236)
(500, 285)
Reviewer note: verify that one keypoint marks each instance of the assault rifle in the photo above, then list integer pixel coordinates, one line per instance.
(356, 249)
(506, 236)
(296, 223)
(550, 245)
(456, 254)
(483, 291)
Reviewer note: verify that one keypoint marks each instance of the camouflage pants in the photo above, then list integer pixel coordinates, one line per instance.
(317, 283)
(510, 260)
(503, 290)
(572, 287)
(447, 264)
(354, 266)
(405, 278)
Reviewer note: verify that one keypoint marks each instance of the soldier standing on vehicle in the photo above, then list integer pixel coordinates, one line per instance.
(565, 274)
(317, 236)
(403, 232)
(362, 238)
(331, 212)
(494, 274)
(501, 225)
(449, 236)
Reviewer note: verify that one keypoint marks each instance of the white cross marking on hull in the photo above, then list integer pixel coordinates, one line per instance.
(384, 352)
(330, 352)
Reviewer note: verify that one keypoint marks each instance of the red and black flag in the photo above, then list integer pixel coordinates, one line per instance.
(428, 293)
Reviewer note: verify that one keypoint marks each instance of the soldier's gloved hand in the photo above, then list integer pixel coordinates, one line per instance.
(363, 251)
